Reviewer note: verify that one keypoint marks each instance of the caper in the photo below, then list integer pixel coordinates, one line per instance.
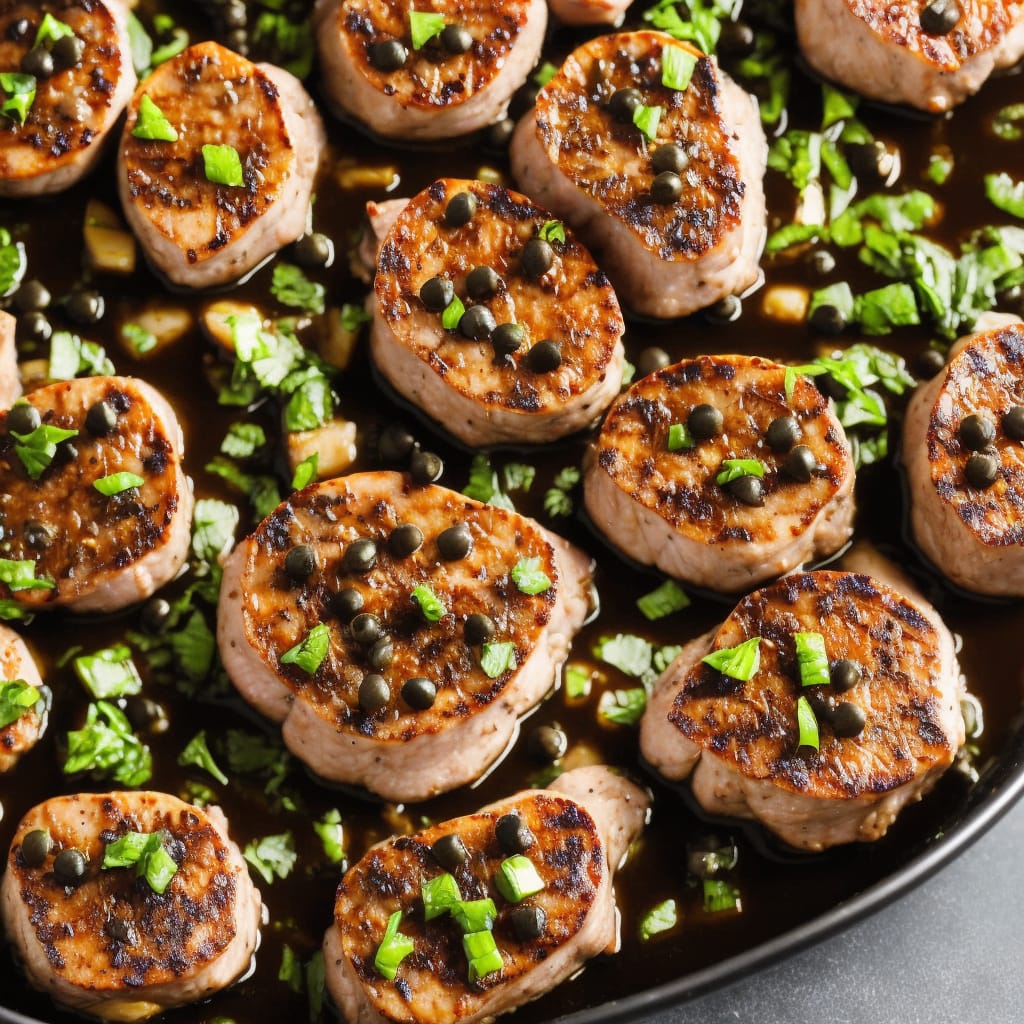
(38, 536)
(544, 357)
(394, 444)
(982, 470)
(456, 39)
(477, 323)
(512, 835)
(436, 293)
(19, 29)
(314, 250)
(34, 327)
(499, 135)
(736, 39)
(405, 539)
(450, 852)
(976, 432)
(528, 922)
(800, 464)
(85, 307)
(828, 319)
(374, 693)
(478, 629)
(365, 629)
(460, 209)
(1013, 423)
(419, 693)
(822, 262)
(121, 931)
(101, 419)
(389, 55)
(507, 338)
(300, 563)
(871, 160)
(847, 720)
(425, 467)
(725, 311)
(347, 603)
(704, 421)
(669, 157)
(747, 489)
(31, 297)
(147, 715)
(235, 15)
(536, 258)
(940, 17)
(844, 674)
(381, 654)
(624, 103)
(783, 432)
(547, 744)
(38, 62)
(66, 452)
(482, 283)
(23, 418)
(360, 556)
(929, 362)
(35, 848)
(455, 543)
(68, 52)
(70, 866)
(156, 613)
(666, 188)
(651, 360)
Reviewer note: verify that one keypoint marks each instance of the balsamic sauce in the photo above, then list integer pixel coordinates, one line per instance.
(779, 890)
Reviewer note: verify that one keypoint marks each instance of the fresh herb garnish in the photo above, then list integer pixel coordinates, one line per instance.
(518, 879)
(37, 449)
(439, 895)
(552, 231)
(197, 753)
(680, 438)
(72, 356)
(243, 440)
(13, 264)
(145, 851)
(557, 498)
(152, 123)
(497, 658)
(807, 723)
(669, 597)
(720, 896)
(310, 652)
(291, 287)
(272, 856)
(50, 30)
(735, 469)
(696, 21)
(176, 36)
(424, 26)
(812, 661)
(332, 836)
(109, 673)
(107, 745)
(677, 67)
(117, 483)
(17, 698)
(661, 918)
(482, 954)
(452, 314)
(647, 120)
(20, 93)
(222, 165)
(528, 576)
(431, 606)
(623, 707)
(140, 339)
(290, 971)
(1005, 194)
(1008, 123)
(740, 662)
(394, 946)
(577, 682)
(306, 471)
(544, 74)
(20, 574)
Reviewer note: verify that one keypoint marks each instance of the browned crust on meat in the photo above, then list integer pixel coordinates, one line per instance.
(278, 613)
(210, 95)
(71, 107)
(432, 78)
(573, 304)
(92, 534)
(175, 934)
(568, 855)
(982, 25)
(609, 161)
(680, 486)
(752, 726)
(986, 377)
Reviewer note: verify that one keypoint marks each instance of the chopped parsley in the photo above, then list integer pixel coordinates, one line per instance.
(197, 753)
(677, 67)
(222, 165)
(332, 836)
(393, 949)
(140, 339)
(647, 120)
(272, 856)
(19, 93)
(20, 574)
(807, 724)
(17, 698)
(290, 971)
(623, 707)
(152, 123)
(291, 287)
(146, 852)
(720, 896)
(37, 449)
(528, 576)
(424, 26)
(697, 21)
(544, 74)
(680, 438)
(552, 231)
(107, 746)
(430, 605)
(243, 440)
(663, 601)
(306, 471)
(109, 673)
(310, 652)
(1005, 194)
(452, 314)
(13, 263)
(497, 658)
(557, 498)
(50, 30)
(661, 918)
(740, 662)
(736, 469)
(72, 356)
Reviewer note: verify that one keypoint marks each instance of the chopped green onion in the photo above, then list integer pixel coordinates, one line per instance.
(109, 673)
(197, 753)
(734, 469)
(839, 295)
(439, 896)
(811, 659)
(21, 575)
(552, 231)
(431, 606)
(272, 856)
(305, 472)
(290, 971)
(677, 67)
(38, 448)
(146, 853)
(116, 483)
(393, 949)
(528, 576)
(152, 123)
(332, 836)
(720, 896)
(517, 879)
(940, 167)
(577, 682)
(679, 437)
(623, 707)
(243, 440)
(808, 723)
(424, 26)
(475, 915)
(222, 165)
(740, 662)
(141, 340)
(647, 120)
(164, 26)
(661, 918)
(1005, 194)
(452, 314)
(482, 953)
(17, 698)
(789, 382)
(21, 94)
(290, 286)
(544, 74)
(497, 658)
(662, 601)
(1008, 124)
(310, 652)
(353, 316)
(50, 30)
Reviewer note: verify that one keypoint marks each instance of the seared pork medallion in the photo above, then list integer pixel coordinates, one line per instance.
(963, 448)
(398, 632)
(95, 508)
(822, 705)
(490, 316)
(123, 905)
(217, 164)
(930, 54)
(722, 471)
(67, 76)
(656, 157)
(589, 12)
(426, 70)
(476, 916)
(24, 701)
(10, 379)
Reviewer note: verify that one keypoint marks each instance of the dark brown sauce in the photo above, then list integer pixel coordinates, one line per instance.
(778, 892)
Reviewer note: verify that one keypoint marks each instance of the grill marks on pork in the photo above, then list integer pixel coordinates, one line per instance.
(195, 231)
(74, 109)
(879, 48)
(397, 751)
(974, 535)
(740, 739)
(478, 396)
(10, 378)
(664, 507)
(436, 94)
(576, 851)
(102, 553)
(110, 947)
(22, 734)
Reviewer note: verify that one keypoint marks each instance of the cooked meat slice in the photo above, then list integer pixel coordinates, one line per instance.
(379, 220)
(740, 740)
(580, 828)
(589, 12)
(62, 134)
(351, 714)
(965, 464)
(899, 53)
(98, 553)
(477, 389)
(10, 379)
(575, 156)
(373, 72)
(664, 507)
(108, 945)
(19, 736)
(198, 232)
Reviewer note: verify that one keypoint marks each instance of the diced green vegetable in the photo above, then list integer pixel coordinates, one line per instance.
(291, 287)
(680, 438)
(647, 120)
(734, 469)
(1005, 194)
(475, 915)
(439, 895)
(393, 949)
(272, 856)
(145, 851)
(306, 472)
(424, 26)
(222, 165)
(290, 971)
(19, 94)
(807, 724)
(50, 30)
(109, 673)
(661, 918)
(740, 662)
(669, 597)
(107, 745)
(811, 659)
(431, 606)
(720, 896)
(452, 313)
(20, 574)
(528, 576)
(332, 836)
(623, 707)
(117, 483)
(37, 449)
(152, 123)
(518, 879)
(483, 955)
(497, 658)
(310, 652)
(17, 698)
(677, 67)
